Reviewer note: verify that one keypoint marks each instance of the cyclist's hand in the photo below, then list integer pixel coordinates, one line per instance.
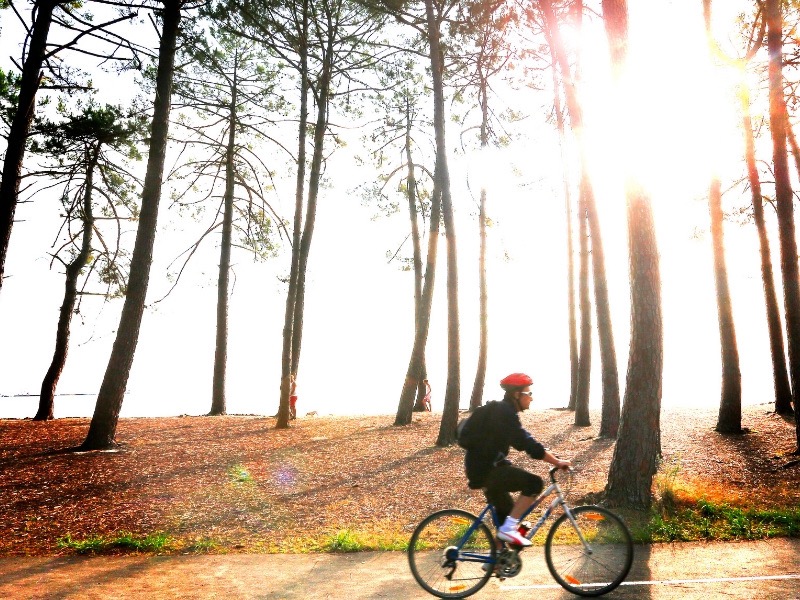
(564, 465)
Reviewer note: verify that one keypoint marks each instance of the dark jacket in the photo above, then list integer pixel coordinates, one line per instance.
(501, 429)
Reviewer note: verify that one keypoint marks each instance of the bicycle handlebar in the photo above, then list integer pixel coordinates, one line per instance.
(554, 470)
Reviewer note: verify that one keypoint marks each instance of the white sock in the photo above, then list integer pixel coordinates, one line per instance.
(510, 524)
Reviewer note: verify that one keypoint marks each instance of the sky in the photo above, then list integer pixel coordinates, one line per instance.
(359, 309)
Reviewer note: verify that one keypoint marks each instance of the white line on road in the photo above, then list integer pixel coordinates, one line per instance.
(664, 582)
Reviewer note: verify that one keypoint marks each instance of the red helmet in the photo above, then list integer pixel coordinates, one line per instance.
(516, 380)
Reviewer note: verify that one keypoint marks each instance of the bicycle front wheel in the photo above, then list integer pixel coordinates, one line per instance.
(452, 554)
(593, 559)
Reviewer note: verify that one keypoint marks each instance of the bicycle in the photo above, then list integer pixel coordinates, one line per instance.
(589, 550)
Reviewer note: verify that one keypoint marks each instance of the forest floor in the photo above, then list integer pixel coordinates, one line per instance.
(237, 484)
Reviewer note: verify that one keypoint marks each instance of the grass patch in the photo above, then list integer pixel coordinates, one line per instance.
(345, 540)
(690, 511)
(666, 483)
(153, 542)
(706, 520)
(682, 520)
(86, 546)
(348, 540)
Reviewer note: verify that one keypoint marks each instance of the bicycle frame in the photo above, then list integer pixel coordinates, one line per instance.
(588, 550)
(559, 500)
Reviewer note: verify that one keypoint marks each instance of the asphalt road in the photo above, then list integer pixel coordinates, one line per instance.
(752, 570)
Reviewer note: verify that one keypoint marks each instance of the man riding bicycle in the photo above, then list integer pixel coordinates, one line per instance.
(486, 461)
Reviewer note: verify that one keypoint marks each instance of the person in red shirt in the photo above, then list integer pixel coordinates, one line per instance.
(292, 398)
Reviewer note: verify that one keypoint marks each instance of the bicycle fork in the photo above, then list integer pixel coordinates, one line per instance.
(575, 526)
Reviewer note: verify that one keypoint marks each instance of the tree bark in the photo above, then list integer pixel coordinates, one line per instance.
(609, 421)
(638, 447)
(311, 213)
(287, 375)
(476, 399)
(783, 199)
(585, 308)
(783, 391)
(109, 401)
(608, 359)
(573, 335)
(730, 407)
(609, 418)
(50, 381)
(21, 124)
(218, 404)
(413, 215)
(615, 20)
(323, 100)
(416, 363)
(483, 345)
(453, 391)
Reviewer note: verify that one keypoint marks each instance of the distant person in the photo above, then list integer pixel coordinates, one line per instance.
(292, 398)
(426, 401)
(423, 403)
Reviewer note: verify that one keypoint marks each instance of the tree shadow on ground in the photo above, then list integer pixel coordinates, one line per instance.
(748, 464)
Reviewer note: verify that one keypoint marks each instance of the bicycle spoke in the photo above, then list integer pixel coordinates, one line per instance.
(435, 554)
(580, 571)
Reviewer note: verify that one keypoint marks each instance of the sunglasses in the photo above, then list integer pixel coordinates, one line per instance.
(528, 394)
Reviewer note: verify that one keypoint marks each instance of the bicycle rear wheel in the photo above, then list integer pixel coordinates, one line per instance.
(601, 564)
(447, 559)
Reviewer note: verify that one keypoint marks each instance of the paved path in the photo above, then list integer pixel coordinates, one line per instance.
(762, 570)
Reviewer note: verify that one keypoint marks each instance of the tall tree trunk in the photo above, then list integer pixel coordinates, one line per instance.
(323, 100)
(616, 23)
(615, 20)
(483, 346)
(609, 423)
(580, 361)
(218, 404)
(790, 137)
(783, 198)
(311, 213)
(21, 124)
(416, 363)
(730, 407)
(411, 196)
(453, 391)
(476, 399)
(608, 358)
(585, 308)
(783, 391)
(635, 458)
(638, 446)
(50, 381)
(573, 335)
(287, 376)
(112, 390)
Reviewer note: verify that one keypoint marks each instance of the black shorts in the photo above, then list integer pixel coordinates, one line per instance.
(504, 479)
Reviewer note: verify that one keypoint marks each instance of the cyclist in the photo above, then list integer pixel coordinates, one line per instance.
(486, 461)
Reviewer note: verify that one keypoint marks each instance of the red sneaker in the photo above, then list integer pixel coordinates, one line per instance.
(513, 537)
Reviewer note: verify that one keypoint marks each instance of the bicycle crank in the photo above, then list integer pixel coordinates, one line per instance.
(509, 564)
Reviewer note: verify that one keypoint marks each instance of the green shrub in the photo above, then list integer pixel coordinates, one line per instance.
(343, 541)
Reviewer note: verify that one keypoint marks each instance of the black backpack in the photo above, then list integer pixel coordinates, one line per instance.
(470, 430)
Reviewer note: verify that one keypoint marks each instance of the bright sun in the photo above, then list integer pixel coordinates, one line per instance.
(673, 123)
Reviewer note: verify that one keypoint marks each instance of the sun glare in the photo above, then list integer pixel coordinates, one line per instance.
(491, 168)
(671, 124)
